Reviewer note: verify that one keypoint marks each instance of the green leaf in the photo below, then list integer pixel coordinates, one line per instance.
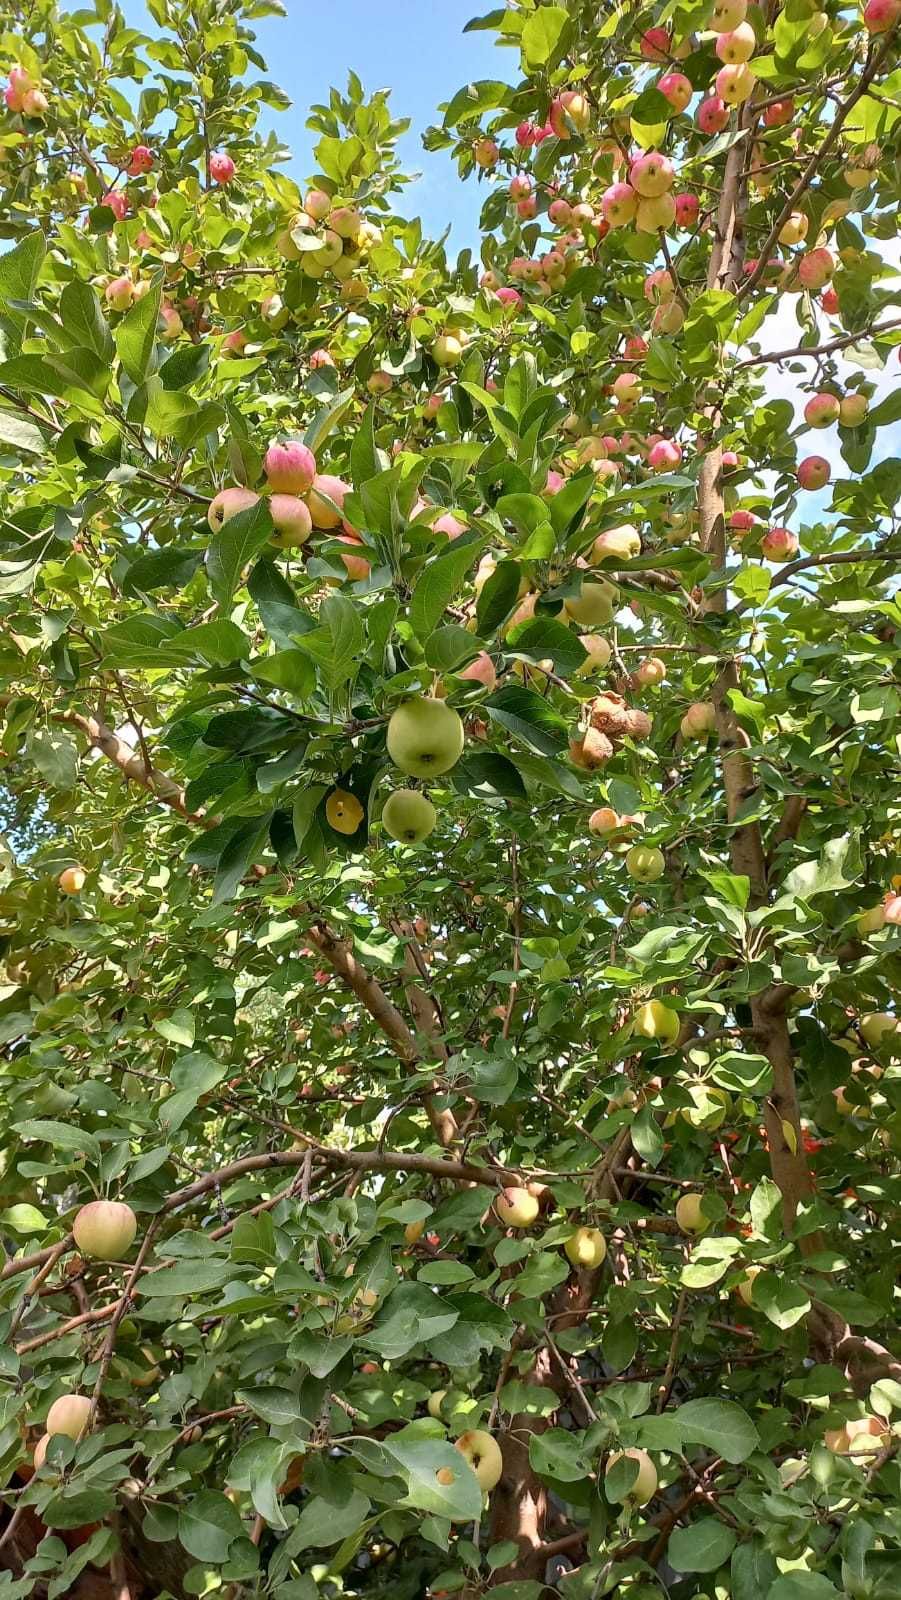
(498, 597)
(136, 334)
(420, 1461)
(23, 1218)
(558, 1455)
(488, 773)
(541, 35)
(783, 1303)
(83, 319)
(61, 1136)
(169, 568)
(436, 587)
(278, 1407)
(544, 638)
(232, 549)
(529, 718)
(55, 754)
(412, 1315)
(836, 867)
(701, 1547)
(804, 1586)
(186, 1278)
(20, 266)
(319, 1351)
(720, 1424)
(20, 436)
(207, 1526)
(238, 857)
(322, 1523)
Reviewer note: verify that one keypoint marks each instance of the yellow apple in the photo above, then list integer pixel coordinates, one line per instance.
(690, 1214)
(645, 1485)
(483, 1453)
(516, 1207)
(587, 1247)
(105, 1229)
(68, 1415)
(654, 1020)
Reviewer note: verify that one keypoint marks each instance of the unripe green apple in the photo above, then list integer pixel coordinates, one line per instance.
(447, 351)
(587, 1247)
(645, 863)
(593, 606)
(654, 1020)
(105, 1229)
(745, 1289)
(68, 1415)
(690, 1214)
(516, 1207)
(408, 816)
(645, 1485)
(483, 1453)
(425, 737)
(878, 1026)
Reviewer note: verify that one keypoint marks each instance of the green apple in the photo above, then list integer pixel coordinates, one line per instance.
(645, 1485)
(408, 816)
(690, 1213)
(587, 1247)
(593, 606)
(425, 737)
(654, 1020)
(645, 863)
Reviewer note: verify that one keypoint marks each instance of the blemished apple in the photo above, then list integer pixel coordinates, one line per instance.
(599, 651)
(593, 606)
(105, 1229)
(650, 672)
(68, 1415)
(343, 812)
(645, 863)
(483, 1453)
(408, 816)
(291, 520)
(290, 468)
(425, 737)
(655, 1020)
(728, 14)
(587, 1247)
(645, 1485)
(447, 350)
(690, 1213)
(485, 153)
(604, 820)
(516, 1207)
(779, 544)
(226, 504)
(72, 880)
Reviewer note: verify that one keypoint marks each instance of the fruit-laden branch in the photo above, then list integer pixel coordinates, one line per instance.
(336, 951)
(813, 166)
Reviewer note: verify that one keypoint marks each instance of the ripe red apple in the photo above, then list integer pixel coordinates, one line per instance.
(779, 544)
(291, 519)
(814, 472)
(222, 167)
(140, 161)
(655, 44)
(713, 115)
(664, 456)
(822, 410)
(677, 89)
(290, 468)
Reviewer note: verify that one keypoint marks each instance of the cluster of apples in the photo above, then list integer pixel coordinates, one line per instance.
(300, 499)
(122, 292)
(24, 97)
(324, 237)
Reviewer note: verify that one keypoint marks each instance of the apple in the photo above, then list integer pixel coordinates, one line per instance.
(483, 1453)
(516, 1207)
(234, 342)
(140, 161)
(664, 456)
(317, 204)
(645, 1486)
(291, 520)
(447, 350)
(822, 410)
(853, 410)
(816, 268)
(713, 114)
(379, 382)
(326, 488)
(735, 83)
(222, 167)
(623, 543)
(408, 816)
(117, 203)
(434, 1403)
(699, 720)
(40, 1451)
(745, 1289)
(880, 16)
(587, 1247)
(593, 606)
(35, 103)
(677, 89)
(72, 880)
(485, 153)
(651, 175)
(482, 670)
(560, 212)
(871, 921)
(794, 229)
(68, 1415)
(604, 820)
(343, 812)
(569, 114)
(655, 44)
(290, 468)
(226, 504)
(20, 84)
(728, 14)
(876, 1026)
(779, 544)
(346, 222)
(645, 863)
(650, 673)
(171, 325)
(737, 45)
(654, 1020)
(425, 737)
(105, 1229)
(618, 204)
(688, 209)
(814, 472)
(690, 1214)
(413, 1232)
(598, 651)
(891, 909)
(119, 293)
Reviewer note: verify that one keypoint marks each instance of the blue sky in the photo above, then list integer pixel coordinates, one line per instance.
(416, 48)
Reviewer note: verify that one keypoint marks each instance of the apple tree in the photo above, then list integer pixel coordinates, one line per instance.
(450, 755)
